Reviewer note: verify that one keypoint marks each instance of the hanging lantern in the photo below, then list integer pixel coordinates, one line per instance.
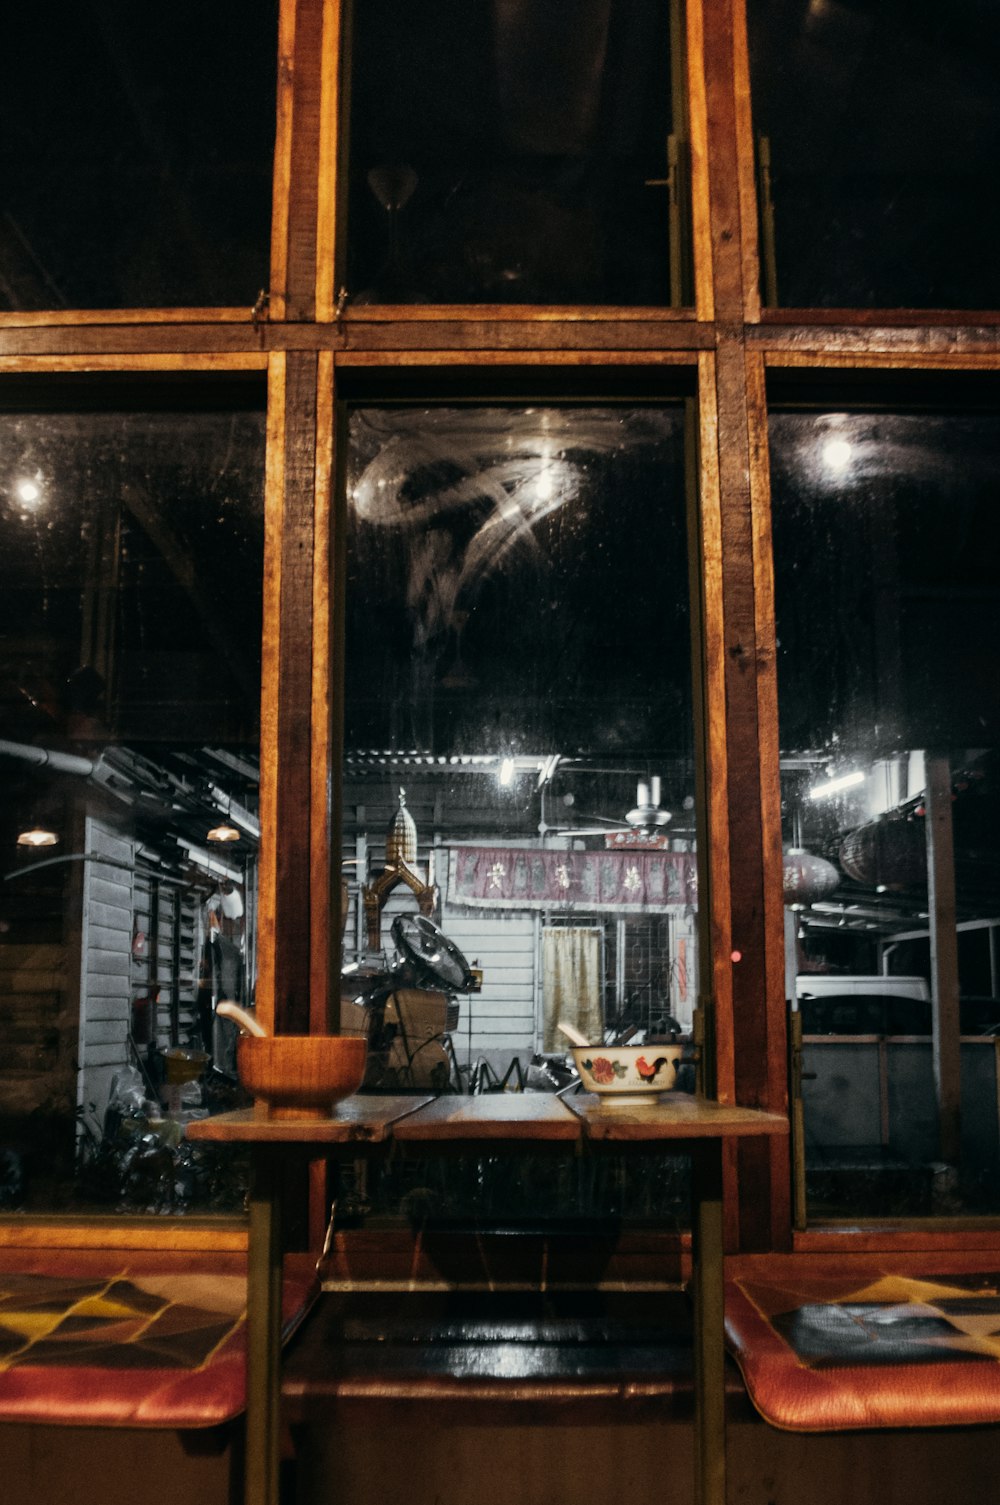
(806, 877)
(891, 852)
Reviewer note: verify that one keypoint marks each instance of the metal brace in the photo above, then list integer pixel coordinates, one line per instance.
(259, 312)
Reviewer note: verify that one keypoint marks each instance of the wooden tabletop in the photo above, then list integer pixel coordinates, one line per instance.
(493, 1116)
(673, 1115)
(357, 1120)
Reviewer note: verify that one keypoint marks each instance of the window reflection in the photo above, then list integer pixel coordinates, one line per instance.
(519, 764)
(887, 559)
(130, 614)
(510, 153)
(878, 134)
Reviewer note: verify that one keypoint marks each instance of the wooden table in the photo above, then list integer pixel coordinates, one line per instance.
(358, 1123)
(700, 1129)
(479, 1125)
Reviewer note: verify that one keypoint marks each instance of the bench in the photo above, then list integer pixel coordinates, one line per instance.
(126, 1368)
(582, 1392)
(835, 1343)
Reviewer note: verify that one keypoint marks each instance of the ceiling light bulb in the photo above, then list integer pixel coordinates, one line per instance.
(28, 492)
(837, 454)
(223, 832)
(507, 772)
(37, 836)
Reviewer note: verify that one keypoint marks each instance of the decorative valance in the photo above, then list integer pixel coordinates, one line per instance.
(523, 878)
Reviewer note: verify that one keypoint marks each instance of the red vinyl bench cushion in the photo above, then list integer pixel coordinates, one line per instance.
(126, 1339)
(829, 1343)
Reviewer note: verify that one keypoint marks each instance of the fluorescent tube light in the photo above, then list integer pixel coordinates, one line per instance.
(834, 785)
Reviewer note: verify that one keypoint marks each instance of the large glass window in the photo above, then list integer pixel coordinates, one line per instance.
(520, 766)
(503, 152)
(136, 144)
(878, 134)
(887, 558)
(131, 540)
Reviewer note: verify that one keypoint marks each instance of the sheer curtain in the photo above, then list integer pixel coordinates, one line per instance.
(571, 983)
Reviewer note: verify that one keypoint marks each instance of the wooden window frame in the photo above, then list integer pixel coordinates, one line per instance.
(303, 340)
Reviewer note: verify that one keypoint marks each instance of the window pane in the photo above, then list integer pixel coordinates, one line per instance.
(511, 153)
(135, 154)
(882, 124)
(130, 620)
(887, 555)
(519, 721)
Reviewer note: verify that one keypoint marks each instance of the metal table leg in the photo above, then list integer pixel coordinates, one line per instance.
(709, 1297)
(263, 1329)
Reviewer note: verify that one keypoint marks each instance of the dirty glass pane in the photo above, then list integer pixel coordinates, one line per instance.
(503, 152)
(519, 774)
(131, 542)
(878, 132)
(887, 558)
(136, 144)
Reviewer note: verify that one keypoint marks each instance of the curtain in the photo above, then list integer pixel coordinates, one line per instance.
(571, 983)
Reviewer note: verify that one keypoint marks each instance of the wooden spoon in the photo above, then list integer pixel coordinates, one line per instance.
(247, 1023)
(572, 1033)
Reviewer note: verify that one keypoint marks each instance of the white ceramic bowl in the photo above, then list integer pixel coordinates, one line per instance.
(625, 1073)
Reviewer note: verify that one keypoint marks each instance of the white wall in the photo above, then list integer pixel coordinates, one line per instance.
(502, 1017)
(106, 945)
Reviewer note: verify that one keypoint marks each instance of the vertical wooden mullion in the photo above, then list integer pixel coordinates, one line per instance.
(274, 508)
(338, 578)
(751, 1051)
(326, 824)
(701, 216)
(748, 956)
(282, 176)
(714, 877)
(724, 247)
(714, 868)
(324, 961)
(759, 1037)
(745, 161)
(284, 987)
(776, 1097)
(295, 689)
(329, 197)
(296, 161)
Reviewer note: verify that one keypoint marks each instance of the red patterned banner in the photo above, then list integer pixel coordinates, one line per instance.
(522, 878)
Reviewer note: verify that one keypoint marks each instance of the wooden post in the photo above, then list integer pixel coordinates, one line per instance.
(740, 703)
(709, 1321)
(285, 978)
(944, 957)
(264, 1269)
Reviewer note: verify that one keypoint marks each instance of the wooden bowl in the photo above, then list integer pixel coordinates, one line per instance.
(301, 1076)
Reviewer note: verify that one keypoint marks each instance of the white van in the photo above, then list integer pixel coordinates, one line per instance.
(852, 1004)
(826, 984)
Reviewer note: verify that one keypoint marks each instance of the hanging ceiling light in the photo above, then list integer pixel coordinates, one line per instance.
(37, 836)
(223, 832)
